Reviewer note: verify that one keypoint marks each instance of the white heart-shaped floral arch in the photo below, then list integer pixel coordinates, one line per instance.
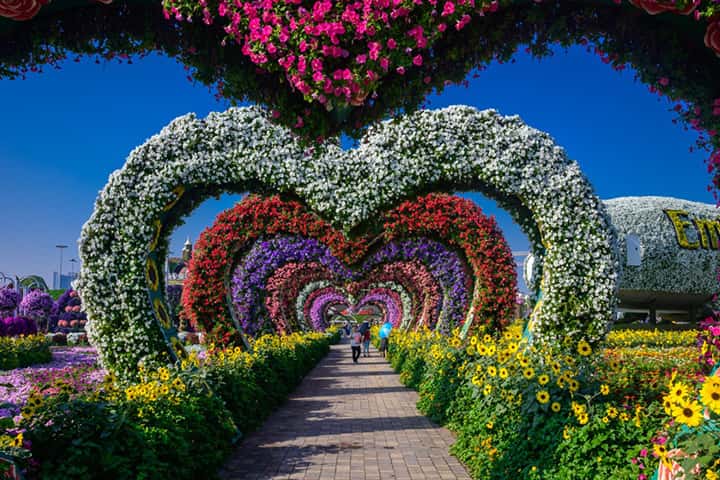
(456, 148)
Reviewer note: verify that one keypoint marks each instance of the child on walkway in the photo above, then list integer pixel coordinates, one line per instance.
(355, 340)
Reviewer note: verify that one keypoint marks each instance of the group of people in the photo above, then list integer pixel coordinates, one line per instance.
(360, 337)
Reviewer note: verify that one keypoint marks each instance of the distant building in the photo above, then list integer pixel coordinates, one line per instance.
(177, 266)
(65, 280)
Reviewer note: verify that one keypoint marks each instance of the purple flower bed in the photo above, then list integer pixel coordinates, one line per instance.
(15, 326)
(76, 366)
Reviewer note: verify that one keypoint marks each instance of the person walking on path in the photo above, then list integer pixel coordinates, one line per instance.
(384, 337)
(355, 341)
(366, 342)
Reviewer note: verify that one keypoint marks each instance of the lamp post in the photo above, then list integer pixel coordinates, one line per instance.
(61, 248)
(72, 261)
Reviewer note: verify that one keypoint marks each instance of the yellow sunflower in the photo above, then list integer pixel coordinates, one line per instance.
(543, 379)
(529, 373)
(678, 392)
(584, 348)
(542, 396)
(555, 407)
(710, 395)
(661, 452)
(688, 413)
(668, 405)
(604, 389)
(503, 373)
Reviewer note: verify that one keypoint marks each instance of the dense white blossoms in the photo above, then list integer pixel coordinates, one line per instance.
(457, 148)
(679, 244)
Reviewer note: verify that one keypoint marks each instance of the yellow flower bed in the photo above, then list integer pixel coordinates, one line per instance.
(651, 338)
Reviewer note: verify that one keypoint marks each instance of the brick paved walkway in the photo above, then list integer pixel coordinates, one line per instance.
(348, 422)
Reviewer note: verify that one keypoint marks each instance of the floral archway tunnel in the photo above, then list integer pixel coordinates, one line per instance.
(444, 150)
(326, 66)
(437, 262)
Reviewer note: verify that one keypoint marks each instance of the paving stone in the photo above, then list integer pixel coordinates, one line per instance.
(347, 422)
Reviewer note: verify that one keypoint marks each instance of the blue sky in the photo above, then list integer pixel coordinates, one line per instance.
(64, 131)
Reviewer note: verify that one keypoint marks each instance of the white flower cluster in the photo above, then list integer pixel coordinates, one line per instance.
(666, 265)
(241, 150)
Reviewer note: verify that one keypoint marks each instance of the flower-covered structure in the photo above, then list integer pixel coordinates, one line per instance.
(327, 66)
(37, 304)
(445, 267)
(677, 250)
(288, 249)
(241, 150)
(67, 313)
(9, 301)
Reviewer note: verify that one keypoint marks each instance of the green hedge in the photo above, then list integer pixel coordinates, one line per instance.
(177, 423)
(523, 413)
(20, 352)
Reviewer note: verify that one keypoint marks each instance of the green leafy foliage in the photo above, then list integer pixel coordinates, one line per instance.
(23, 351)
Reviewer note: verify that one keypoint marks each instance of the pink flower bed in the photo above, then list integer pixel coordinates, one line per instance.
(73, 366)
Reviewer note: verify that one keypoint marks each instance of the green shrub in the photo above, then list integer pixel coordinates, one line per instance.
(20, 352)
(176, 423)
(523, 413)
